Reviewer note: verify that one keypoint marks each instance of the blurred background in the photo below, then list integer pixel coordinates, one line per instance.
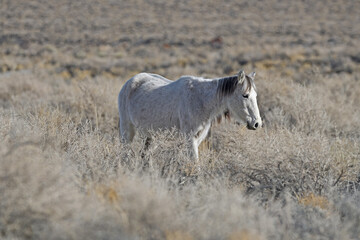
(114, 38)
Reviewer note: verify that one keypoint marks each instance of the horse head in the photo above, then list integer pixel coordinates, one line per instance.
(242, 102)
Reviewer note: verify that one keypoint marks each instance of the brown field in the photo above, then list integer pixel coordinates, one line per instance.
(65, 175)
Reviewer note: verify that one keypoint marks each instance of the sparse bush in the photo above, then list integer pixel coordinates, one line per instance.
(61, 172)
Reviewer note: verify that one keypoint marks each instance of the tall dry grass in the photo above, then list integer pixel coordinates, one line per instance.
(64, 174)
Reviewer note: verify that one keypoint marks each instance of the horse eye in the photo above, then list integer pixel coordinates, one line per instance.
(246, 96)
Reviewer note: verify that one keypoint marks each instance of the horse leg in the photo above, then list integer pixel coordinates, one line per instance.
(192, 141)
(127, 131)
(202, 134)
(146, 146)
(194, 152)
(195, 149)
(146, 160)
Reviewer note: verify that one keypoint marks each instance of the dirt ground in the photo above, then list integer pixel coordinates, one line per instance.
(211, 38)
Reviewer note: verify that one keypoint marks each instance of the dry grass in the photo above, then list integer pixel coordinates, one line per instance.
(64, 174)
(63, 168)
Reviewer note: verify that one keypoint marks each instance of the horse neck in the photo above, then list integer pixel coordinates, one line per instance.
(213, 104)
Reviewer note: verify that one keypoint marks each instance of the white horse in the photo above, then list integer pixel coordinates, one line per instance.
(151, 102)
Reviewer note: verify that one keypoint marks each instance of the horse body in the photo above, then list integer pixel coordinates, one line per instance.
(151, 102)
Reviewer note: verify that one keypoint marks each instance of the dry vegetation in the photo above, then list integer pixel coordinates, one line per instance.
(64, 174)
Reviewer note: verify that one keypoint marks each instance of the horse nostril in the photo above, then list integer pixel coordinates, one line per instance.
(256, 125)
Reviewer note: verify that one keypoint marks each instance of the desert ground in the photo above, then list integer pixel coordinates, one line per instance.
(65, 175)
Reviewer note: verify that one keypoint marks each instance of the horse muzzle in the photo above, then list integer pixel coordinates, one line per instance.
(253, 126)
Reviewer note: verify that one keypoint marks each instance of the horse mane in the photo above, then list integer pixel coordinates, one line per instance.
(225, 114)
(227, 85)
(249, 84)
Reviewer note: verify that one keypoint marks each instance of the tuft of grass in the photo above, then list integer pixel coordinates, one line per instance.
(243, 235)
(177, 235)
(313, 200)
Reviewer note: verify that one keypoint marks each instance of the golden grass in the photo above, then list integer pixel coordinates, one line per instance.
(243, 235)
(178, 235)
(313, 200)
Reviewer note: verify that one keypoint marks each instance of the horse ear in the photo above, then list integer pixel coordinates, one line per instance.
(252, 75)
(241, 76)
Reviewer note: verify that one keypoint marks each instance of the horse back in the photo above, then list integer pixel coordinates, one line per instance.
(151, 101)
(146, 82)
